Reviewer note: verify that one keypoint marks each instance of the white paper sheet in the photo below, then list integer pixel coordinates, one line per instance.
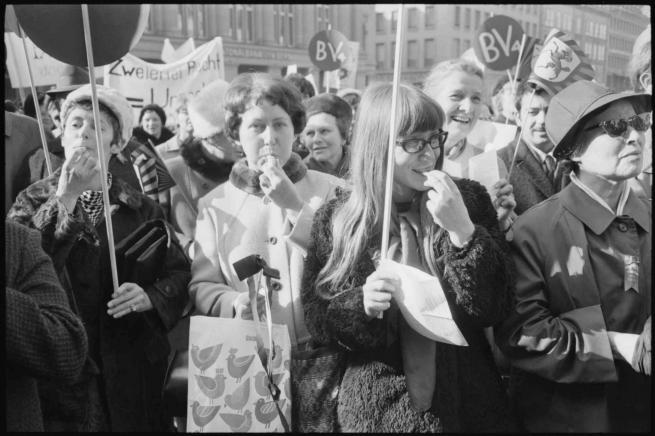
(484, 169)
(488, 135)
(423, 304)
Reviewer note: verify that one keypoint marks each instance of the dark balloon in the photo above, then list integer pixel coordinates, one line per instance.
(58, 30)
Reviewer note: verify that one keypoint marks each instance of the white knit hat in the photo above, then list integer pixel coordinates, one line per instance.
(111, 98)
(206, 110)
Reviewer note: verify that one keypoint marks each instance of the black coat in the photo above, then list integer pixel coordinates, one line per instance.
(44, 338)
(373, 395)
(130, 352)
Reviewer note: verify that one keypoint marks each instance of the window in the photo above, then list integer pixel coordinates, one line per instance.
(393, 53)
(467, 18)
(429, 16)
(412, 19)
(458, 10)
(249, 24)
(487, 15)
(456, 48)
(467, 45)
(412, 54)
(379, 22)
(601, 52)
(150, 26)
(603, 30)
(283, 24)
(200, 17)
(477, 19)
(394, 20)
(379, 56)
(430, 49)
(322, 17)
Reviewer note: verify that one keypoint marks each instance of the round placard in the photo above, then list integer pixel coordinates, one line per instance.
(58, 30)
(327, 49)
(497, 42)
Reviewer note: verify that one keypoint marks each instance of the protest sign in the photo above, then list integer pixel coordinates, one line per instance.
(46, 70)
(144, 83)
(169, 54)
(498, 42)
(344, 77)
(486, 169)
(327, 49)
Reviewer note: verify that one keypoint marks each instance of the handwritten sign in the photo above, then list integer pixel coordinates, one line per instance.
(144, 83)
(498, 42)
(327, 50)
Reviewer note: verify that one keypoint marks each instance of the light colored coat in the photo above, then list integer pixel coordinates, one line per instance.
(233, 224)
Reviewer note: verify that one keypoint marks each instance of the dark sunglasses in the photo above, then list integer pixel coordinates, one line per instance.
(417, 145)
(618, 127)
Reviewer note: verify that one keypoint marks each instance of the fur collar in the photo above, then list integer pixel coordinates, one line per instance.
(197, 158)
(248, 180)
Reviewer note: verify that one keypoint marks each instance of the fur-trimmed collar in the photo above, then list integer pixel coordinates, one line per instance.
(197, 158)
(248, 180)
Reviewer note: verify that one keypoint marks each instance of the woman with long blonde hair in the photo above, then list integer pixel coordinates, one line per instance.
(395, 379)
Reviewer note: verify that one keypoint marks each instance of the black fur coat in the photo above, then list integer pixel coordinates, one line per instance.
(477, 280)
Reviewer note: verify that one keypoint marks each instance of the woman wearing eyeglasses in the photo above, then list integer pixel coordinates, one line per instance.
(446, 228)
(579, 336)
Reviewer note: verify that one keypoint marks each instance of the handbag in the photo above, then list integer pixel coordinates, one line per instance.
(316, 376)
(141, 255)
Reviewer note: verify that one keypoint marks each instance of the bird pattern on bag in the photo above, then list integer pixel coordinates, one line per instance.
(206, 357)
(239, 397)
(266, 411)
(238, 366)
(238, 423)
(261, 383)
(212, 387)
(203, 415)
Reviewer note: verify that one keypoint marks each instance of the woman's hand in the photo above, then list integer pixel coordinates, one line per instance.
(504, 203)
(447, 207)
(78, 174)
(378, 291)
(279, 188)
(129, 298)
(242, 307)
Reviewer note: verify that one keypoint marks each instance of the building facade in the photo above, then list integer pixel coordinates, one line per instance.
(434, 33)
(258, 37)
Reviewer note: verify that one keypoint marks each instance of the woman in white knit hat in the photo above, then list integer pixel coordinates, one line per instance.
(204, 163)
(120, 386)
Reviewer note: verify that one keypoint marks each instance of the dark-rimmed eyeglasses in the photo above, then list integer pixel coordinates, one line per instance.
(417, 145)
(618, 127)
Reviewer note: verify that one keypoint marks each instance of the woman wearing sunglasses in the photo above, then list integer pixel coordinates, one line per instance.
(396, 380)
(579, 336)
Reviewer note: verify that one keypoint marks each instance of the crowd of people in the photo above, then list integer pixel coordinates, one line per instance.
(547, 275)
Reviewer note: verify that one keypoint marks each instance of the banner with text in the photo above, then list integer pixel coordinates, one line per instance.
(46, 70)
(145, 83)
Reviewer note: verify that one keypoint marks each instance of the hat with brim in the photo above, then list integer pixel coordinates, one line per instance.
(576, 103)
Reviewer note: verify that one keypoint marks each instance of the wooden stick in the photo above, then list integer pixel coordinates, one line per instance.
(37, 106)
(518, 62)
(386, 222)
(516, 147)
(101, 148)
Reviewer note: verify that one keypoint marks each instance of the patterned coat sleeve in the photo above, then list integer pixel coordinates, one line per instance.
(44, 337)
(341, 319)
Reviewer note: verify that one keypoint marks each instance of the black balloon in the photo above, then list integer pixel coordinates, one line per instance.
(58, 30)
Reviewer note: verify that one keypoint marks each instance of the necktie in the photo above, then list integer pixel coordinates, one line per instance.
(550, 167)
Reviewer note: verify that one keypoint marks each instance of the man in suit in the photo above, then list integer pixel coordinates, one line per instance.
(21, 137)
(534, 176)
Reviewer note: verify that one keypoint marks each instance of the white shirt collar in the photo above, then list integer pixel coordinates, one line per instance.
(540, 154)
(622, 200)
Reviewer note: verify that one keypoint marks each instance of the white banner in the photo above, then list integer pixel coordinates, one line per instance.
(46, 70)
(144, 83)
(169, 54)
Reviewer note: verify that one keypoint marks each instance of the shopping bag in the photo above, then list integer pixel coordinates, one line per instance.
(228, 388)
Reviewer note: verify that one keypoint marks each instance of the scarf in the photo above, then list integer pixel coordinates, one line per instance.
(247, 180)
(91, 202)
(208, 166)
(413, 234)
